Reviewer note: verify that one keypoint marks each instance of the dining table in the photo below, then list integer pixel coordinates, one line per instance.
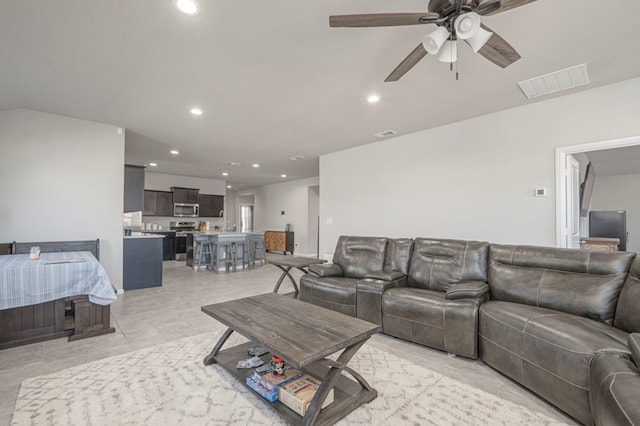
(25, 281)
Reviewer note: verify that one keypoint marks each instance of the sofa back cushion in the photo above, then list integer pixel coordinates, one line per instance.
(398, 254)
(579, 282)
(628, 310)
(360, 255)
(438, 264)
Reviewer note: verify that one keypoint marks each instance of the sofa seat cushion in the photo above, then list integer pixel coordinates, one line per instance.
(336, 293)
(427, 317)
(545, 350)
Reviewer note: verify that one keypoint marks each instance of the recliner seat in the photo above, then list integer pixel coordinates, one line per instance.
(439, 306)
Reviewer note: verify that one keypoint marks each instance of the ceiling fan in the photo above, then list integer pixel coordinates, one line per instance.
(455, 19)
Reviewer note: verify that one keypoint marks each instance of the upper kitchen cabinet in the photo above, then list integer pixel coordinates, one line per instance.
(211, 205)
(185, 195)
(157, 203)
(133, 188)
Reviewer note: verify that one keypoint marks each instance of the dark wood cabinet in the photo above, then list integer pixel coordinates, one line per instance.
(168, 244)
(157, 203)
(185, 195)
(211, 205)
(278, 241)
(164, 205)
(133, 188)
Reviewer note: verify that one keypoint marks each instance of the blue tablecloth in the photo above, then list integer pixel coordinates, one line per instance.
(25, 282)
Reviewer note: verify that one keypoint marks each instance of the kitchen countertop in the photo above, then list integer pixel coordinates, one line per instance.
(224, 233)
(143, 235)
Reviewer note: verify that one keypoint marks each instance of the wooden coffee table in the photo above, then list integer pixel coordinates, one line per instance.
(303, 335)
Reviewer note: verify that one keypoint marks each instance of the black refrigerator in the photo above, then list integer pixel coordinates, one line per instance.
(609, 224)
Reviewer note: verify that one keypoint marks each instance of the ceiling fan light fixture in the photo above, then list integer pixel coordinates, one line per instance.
(479, 39)
(449, 52)
(467, 25)
(188, 7)
(433, 41)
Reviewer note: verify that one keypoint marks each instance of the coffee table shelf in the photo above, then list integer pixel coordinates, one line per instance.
(304, 335)
(348, 394)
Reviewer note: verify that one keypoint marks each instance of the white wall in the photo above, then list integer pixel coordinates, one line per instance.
(473, 179)
(62, 179)
(620, 192)
(293, 198)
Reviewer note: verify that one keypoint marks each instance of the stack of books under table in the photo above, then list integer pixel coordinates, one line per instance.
(293, 388)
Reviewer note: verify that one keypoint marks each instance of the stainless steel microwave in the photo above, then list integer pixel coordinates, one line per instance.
(186, 210)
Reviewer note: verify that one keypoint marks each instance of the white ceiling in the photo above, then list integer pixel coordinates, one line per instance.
(274, 80)
(616, 161)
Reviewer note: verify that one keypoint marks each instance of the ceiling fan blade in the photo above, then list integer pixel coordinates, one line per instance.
(505, 5)
(498, 51)
(486, 8)
(382, 19)
(407, 63)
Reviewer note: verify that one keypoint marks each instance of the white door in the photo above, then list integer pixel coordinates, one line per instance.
(572, 193)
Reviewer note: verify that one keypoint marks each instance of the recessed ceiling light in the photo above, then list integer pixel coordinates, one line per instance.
(188, 7)
(174, 152)
(229, 186)
(196, 111)
(153, 164)
(297, 157)
(283, 175)
(225, 174)
(372, 99)
(231, 163)
(256, 165)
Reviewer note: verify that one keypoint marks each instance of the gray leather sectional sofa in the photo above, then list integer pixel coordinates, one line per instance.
(562, 322)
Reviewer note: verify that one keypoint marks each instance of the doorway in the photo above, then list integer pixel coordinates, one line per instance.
(246, 218)
(564, 198)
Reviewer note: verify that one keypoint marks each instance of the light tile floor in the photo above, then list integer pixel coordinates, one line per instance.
(148, 317)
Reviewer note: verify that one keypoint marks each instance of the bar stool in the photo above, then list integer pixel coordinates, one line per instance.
(222, 251)
(201, 250)
(258, 252)
(241, 250)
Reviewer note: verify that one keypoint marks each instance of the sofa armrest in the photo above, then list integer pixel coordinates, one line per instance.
(369, 293)
(634, 345)
(614, 389)
(468, 290)
(386, 275)
(326, 270)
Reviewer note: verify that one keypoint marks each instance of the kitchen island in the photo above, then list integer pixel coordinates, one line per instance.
(239, 238)
(142, 262)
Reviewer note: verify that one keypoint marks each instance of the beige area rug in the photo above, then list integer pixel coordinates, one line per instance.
(169, 385)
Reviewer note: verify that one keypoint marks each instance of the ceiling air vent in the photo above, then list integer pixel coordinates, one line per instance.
(385, 134)
(555, 82)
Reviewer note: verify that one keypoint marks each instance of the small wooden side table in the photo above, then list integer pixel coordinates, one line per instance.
(600, 244)
(285, 263)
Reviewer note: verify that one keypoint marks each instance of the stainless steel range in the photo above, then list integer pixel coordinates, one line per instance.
(181, 229)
